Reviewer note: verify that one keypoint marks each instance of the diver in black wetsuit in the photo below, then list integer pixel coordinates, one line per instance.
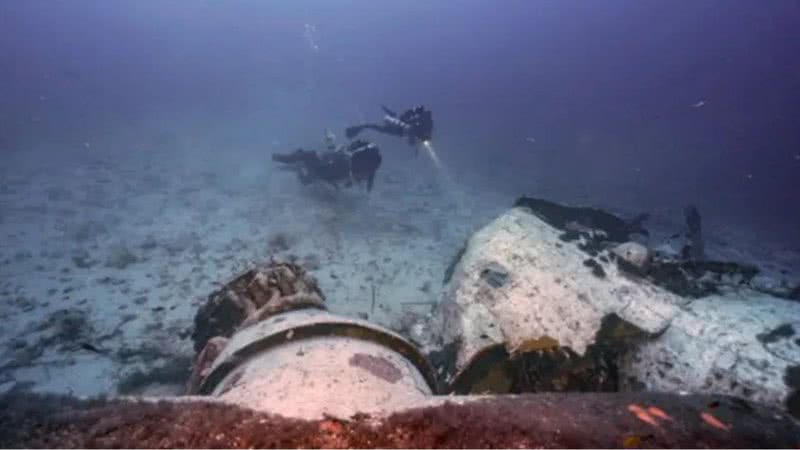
(415, 124)
(355, 163)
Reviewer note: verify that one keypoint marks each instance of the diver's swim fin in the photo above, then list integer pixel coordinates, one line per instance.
(388, 111)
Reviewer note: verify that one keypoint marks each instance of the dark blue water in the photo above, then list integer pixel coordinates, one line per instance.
(136, 140)
(593, 97)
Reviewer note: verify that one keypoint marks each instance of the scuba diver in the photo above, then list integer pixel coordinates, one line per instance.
(356, 162)
(415, 124)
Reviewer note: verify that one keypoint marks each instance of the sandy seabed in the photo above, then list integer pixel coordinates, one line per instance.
(103, 262)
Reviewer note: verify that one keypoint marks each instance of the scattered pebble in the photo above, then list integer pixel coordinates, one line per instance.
(120, 257)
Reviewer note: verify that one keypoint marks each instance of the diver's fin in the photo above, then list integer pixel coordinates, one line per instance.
(388, 111)
(282, 158)
(370, 182)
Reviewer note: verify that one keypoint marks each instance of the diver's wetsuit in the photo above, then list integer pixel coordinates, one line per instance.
(416, 124)
(358, 162)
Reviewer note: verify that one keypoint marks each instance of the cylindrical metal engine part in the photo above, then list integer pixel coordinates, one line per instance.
(310, 364)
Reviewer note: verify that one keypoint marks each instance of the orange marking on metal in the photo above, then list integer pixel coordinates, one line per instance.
(714, 422)
(658, 412)
(642, 415)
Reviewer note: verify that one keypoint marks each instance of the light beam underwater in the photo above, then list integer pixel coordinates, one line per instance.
(432, 153)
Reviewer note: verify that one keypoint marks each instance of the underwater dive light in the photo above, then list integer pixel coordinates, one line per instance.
(432, 153)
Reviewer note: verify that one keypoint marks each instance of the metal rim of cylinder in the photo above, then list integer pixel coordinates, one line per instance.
(349, 328)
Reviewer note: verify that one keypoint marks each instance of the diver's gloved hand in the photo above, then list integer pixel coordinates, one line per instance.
(352, 132)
